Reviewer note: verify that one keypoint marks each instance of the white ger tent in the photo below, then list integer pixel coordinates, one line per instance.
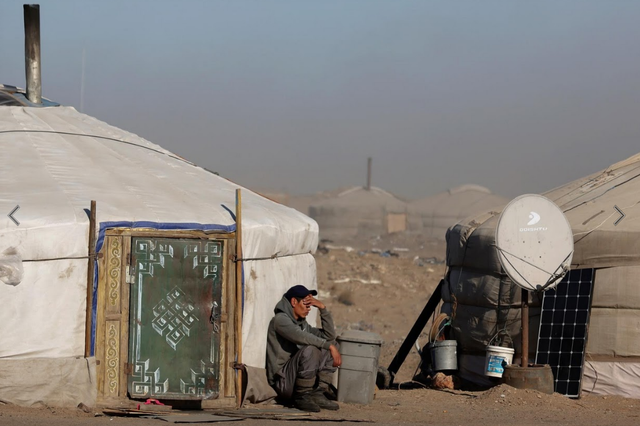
(485, 300)
(432, 216)
(55, 160)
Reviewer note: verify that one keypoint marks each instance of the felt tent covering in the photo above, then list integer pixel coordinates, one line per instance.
(54, 162)
(486, 299)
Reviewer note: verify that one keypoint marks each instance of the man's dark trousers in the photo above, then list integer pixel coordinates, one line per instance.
(305, 364)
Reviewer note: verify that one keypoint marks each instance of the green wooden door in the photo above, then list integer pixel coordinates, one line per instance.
(174, 326)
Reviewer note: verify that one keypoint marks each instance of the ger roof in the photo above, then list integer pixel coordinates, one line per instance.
(459, 202)
(55, 160)
(361, 198)
(603, 237)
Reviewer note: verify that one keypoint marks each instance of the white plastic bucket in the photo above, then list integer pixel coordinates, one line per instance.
(497, 358)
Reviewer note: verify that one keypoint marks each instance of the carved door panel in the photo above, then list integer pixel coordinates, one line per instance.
(175, 312)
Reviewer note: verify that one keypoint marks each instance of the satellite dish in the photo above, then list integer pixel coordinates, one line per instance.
(534, 242)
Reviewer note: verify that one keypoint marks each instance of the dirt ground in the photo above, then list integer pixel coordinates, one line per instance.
(501, 405)
(368, 289)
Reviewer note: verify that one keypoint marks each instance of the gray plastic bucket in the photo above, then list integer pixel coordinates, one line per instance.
(444, 355)
(357, 374)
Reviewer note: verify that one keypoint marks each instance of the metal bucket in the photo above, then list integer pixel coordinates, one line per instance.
(537, 377)
(444, 355)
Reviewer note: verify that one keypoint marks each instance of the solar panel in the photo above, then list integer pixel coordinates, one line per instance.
(562, 338)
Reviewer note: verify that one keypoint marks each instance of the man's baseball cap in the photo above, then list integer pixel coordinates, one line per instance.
(300, 292)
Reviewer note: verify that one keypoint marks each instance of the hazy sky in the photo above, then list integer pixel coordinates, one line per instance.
(518, 96)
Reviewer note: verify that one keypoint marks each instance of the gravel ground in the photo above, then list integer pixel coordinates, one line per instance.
(501, 405)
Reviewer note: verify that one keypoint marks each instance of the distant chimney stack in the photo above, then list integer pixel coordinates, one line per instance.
(32, 52)
(369, 174)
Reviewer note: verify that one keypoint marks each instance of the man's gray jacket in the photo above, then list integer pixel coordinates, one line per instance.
(287, 335)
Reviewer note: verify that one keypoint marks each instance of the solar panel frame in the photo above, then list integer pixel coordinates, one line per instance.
(564, 327)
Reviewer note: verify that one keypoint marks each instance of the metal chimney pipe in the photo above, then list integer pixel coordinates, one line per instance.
(369, 174)
(32, 52)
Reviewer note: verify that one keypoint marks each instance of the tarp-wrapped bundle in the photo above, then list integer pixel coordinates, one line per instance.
(432, 216)
(484, 301)
(54, 162)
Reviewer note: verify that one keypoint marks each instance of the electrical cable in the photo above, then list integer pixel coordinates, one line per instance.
(275, 256)
(59, 258)
(609, 189)
(552, 275)
(586, 233)
(590, 181)
(57, 132)
(595, 380)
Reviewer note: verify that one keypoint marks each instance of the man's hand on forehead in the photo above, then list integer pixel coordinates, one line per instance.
(312, 301)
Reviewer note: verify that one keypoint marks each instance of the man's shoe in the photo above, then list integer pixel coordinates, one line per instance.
(306, 402)
(331, 393)
(325, 382)
(322, 401)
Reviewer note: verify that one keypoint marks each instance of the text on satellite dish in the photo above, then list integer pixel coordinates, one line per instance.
(538, 228)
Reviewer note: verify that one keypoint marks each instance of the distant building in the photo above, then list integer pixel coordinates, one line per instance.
(432, 216)
(358, 212)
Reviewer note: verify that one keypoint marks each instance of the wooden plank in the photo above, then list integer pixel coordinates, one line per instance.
(222, 402)
(112, 358)
(112, 322)
(99, 343)
(124, 319)
(222, 373)
(91, 265)
(114, 275)
(229, 336)
(154, 233)
(238, 330)
(113, 317)
(117, 231)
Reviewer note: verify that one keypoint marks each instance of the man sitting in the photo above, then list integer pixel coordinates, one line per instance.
(301, 359)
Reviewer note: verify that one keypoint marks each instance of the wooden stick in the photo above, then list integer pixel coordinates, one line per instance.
(90, 273)
(239, 298)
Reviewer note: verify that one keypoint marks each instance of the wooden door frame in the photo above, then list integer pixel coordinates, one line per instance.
(112, 313)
